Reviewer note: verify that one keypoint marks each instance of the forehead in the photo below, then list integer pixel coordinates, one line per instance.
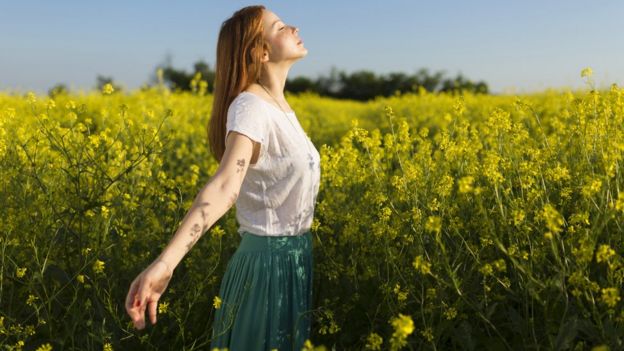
(269, 18)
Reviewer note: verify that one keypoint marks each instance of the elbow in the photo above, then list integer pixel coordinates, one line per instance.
(223, 189)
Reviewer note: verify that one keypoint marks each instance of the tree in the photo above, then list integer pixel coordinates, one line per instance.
(300, 84)
(360, 85)
(57, 89)
(179, 79)
(101, 81)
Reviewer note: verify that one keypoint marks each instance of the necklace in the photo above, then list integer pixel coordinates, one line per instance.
(310, 158)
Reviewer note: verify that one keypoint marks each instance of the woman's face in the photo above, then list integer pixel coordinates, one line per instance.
(283, 38)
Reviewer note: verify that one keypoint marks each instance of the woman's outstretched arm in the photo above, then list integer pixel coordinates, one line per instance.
(212, 202)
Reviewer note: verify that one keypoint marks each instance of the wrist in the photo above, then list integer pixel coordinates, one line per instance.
(165, 264)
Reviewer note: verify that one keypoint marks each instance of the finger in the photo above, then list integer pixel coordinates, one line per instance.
(134, 312)
(145, 303)
(142, 295)
(138, 317)
(138, 308)
(131, 296)
(152, 311)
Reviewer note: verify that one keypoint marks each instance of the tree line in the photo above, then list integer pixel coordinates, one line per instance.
(359, 85)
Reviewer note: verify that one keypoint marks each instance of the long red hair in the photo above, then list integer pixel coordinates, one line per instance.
(240, 47)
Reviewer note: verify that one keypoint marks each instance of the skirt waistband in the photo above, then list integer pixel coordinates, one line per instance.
(263, 243)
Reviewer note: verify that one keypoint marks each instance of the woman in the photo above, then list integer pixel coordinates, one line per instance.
(269, 166)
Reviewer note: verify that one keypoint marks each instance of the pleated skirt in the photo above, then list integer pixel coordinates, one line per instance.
(266, 295)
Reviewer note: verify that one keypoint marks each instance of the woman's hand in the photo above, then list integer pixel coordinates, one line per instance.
(145, 291)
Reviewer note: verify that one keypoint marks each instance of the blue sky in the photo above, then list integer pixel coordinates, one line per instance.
(518, 46)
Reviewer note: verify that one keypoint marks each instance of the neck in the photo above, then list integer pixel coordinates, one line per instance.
(274, 80)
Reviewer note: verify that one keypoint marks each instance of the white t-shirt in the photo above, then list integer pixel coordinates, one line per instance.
(278, 194)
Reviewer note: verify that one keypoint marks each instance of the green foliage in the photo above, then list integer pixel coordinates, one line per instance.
(360, 85)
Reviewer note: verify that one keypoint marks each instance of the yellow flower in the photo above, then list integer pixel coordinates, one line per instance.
(70, 105)
(80, 278)
(486, 269)
(416, 214)
(604, 253)
(332, 327)
(491, 167)
(445, 185)
(434, 224)
(403, 325)
(500, 265)
(216, 302)
(610, 296)
(20, 272)
(434, 205)
(553, 219)
(431, 293)
(558, 173)
(450, 313)
(98, 266)
(586, 72)
(518, 217)
(108, 89)
(619, 205)
(401, 295)
(217, 231)
(105, 211)
(580, 218)
(421, 265)
(374, 341)
(459, 106)
(31, 97)
(427, 333)
(31, 299)
(107, 347)
(163, 306)
(45, 347)
(465, 184)
(591, 187)
(309, 346)
(385, 213)
(95, 140)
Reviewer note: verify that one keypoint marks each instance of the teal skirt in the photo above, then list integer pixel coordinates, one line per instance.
(266, 295)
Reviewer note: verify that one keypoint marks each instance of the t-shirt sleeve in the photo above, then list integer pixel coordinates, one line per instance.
(247, 116)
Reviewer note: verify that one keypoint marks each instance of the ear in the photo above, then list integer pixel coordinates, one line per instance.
(265, 56)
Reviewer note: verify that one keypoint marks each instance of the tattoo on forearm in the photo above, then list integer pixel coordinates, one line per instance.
(198, 230)
(204, 213)
(241, 165)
